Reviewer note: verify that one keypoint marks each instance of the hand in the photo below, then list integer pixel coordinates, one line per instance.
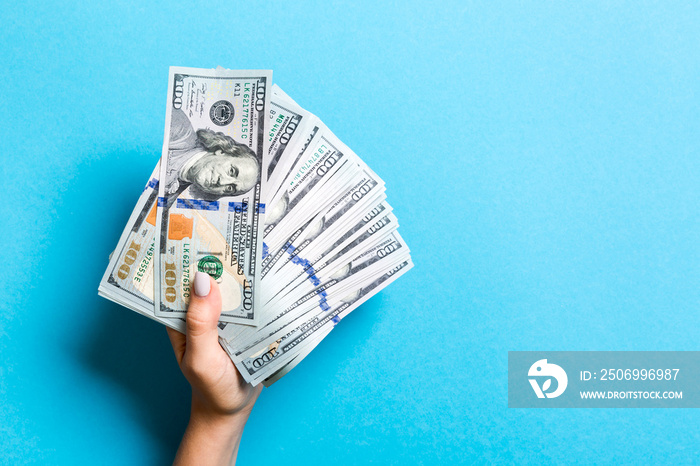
(221, 399)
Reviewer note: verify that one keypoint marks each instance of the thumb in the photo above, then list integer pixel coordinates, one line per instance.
(202, 318)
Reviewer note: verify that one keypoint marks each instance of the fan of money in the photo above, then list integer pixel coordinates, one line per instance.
(258, 193)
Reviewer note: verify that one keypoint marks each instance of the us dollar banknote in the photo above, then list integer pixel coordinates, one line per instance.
(210, 211)
(320, 160)
(257, 192)
(342, 271)
(300, 268)
(322, 294)
(265, 362)
(327, 225)
(128, 279)
(289, 126)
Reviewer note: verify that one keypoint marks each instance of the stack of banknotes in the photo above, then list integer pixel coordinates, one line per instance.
(258, 193)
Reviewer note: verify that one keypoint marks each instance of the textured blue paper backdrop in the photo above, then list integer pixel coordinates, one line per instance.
(542, 159)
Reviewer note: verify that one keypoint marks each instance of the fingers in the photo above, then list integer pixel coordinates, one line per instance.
(202, 338)
(177, 339)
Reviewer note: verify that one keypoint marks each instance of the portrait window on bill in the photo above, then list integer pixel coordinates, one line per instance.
(211, 164)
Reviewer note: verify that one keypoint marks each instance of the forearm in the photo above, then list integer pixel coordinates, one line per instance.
(211, 439)
(221, 399)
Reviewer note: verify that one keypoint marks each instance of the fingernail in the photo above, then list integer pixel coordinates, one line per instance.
(202, 286)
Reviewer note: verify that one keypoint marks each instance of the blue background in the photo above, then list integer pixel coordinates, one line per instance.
(542, 159)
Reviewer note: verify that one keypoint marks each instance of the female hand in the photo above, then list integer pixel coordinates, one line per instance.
(221, 399)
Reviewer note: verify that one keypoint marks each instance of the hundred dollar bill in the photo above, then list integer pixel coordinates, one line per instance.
(342, 278)
(307, 257)
(305, 216)
(365, 187)
(289, 127)
(263, 364)
(210, 214)
(310, 255)
(342, 268)
(300, 268)
(339, 247)
(128, 279)
(325, 229)
(321, 159)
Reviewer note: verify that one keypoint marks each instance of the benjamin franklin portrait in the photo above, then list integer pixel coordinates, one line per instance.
(210, 163)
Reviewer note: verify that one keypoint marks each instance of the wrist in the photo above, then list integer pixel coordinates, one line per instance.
(211, 437)
(216, 420)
